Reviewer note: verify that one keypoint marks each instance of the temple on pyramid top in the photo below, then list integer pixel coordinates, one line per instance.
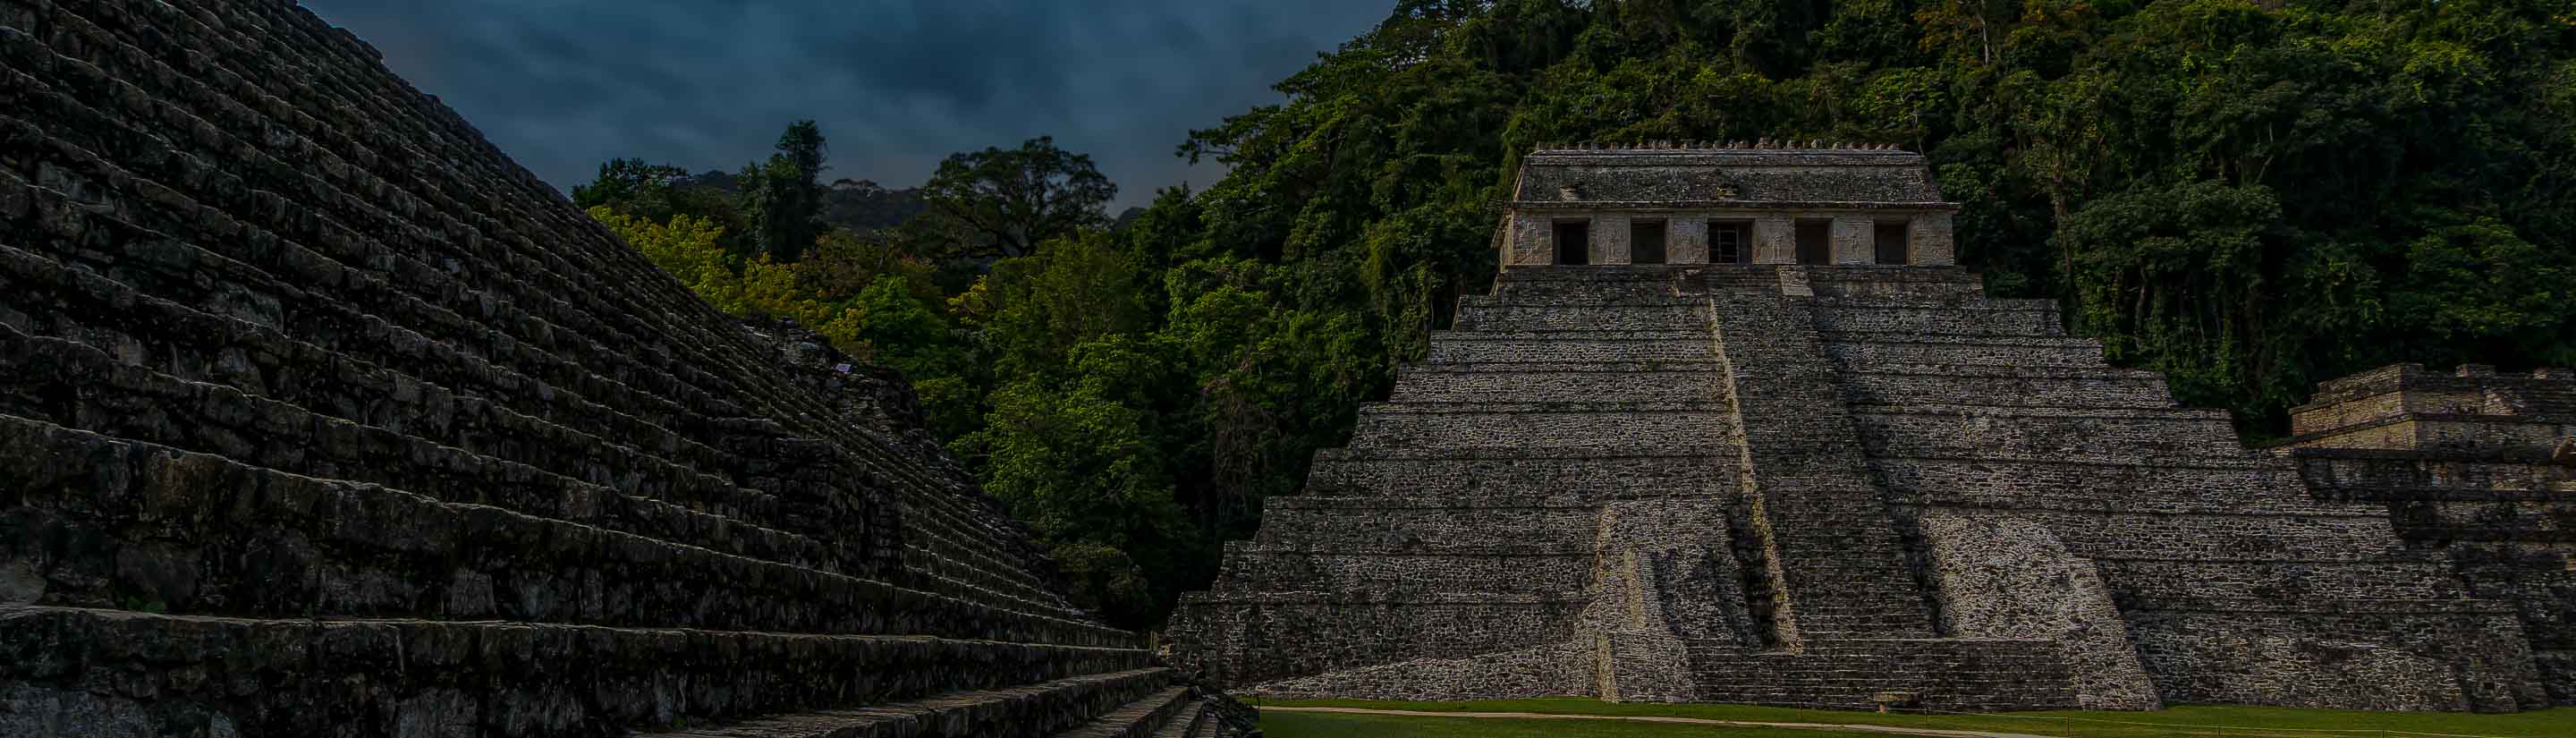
(1692, 203)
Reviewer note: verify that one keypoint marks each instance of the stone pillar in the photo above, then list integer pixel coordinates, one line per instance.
(1532, 241)
(1931, 241)
(1685, 240)
(1855, 240)
(1775, 240)
(1610, 238)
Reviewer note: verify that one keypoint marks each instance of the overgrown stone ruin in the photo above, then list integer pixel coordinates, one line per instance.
(1732, 428)
(319, 416)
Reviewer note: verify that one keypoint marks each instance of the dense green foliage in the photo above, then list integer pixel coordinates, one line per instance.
(2249, 198)
(1000, 202)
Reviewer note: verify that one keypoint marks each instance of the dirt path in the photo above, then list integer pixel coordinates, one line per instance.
(1857, 728)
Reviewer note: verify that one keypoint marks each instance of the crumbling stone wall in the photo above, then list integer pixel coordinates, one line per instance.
(320, 416)
(2470, 466)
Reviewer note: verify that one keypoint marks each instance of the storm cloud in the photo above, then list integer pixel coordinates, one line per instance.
(563, 85)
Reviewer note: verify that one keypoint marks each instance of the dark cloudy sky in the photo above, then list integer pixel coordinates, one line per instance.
(897, 84)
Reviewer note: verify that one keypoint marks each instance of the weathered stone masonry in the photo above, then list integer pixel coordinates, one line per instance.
(1827, 475)
(2477, 468)
(318, 416)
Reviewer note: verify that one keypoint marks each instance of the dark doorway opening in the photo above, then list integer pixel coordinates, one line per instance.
(1815, 242)
(1574, 242)
(1891, 242)
(1646, 242)
(1730, 242)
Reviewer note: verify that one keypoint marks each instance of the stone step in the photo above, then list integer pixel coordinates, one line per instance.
(1193, 721)
(1248, 570)
(1647, 381)
(1606, 426)
(2440, 494)
(2025, 318)
(2101, 388)
(1912, 282)
(2349, 468)
(1943, 674)
(111, 523)
(1018, 712)
(2358, 536)
(1279, 635)
(2250, 484)
(1861, 351)
(2412, 577)
(2527, 521)
(1652, 317)
(1361, 523)
(320, 677)
(1466, 346)
(1510, 295)
(1138, 719)
(1469, 474)
(1955, 431)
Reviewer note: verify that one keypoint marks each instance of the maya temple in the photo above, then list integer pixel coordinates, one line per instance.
(321, 417)
(1733, 427)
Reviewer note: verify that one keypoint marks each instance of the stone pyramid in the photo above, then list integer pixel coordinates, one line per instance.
(318, 416)
(1805, 461)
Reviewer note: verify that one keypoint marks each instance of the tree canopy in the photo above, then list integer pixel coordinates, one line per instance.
(1007, 201)
(2249, 197)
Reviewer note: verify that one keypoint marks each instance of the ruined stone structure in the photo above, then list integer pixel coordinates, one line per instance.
(1731, 428)
(318, 416)
(2474, 466)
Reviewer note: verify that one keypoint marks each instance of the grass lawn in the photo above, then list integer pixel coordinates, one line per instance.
(1317, 725)
(2175, 722)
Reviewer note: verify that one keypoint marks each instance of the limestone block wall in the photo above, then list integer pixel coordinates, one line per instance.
(308, 387)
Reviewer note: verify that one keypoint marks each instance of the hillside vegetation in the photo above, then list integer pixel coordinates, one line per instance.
(2249, 197)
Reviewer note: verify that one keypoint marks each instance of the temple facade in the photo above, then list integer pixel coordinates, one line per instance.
(1733, 427)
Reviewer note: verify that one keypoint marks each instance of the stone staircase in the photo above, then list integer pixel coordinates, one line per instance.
(322, 417)
(1955, 674)
(1821, 523)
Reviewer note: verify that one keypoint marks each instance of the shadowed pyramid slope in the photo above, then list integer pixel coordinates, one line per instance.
(321, 416)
